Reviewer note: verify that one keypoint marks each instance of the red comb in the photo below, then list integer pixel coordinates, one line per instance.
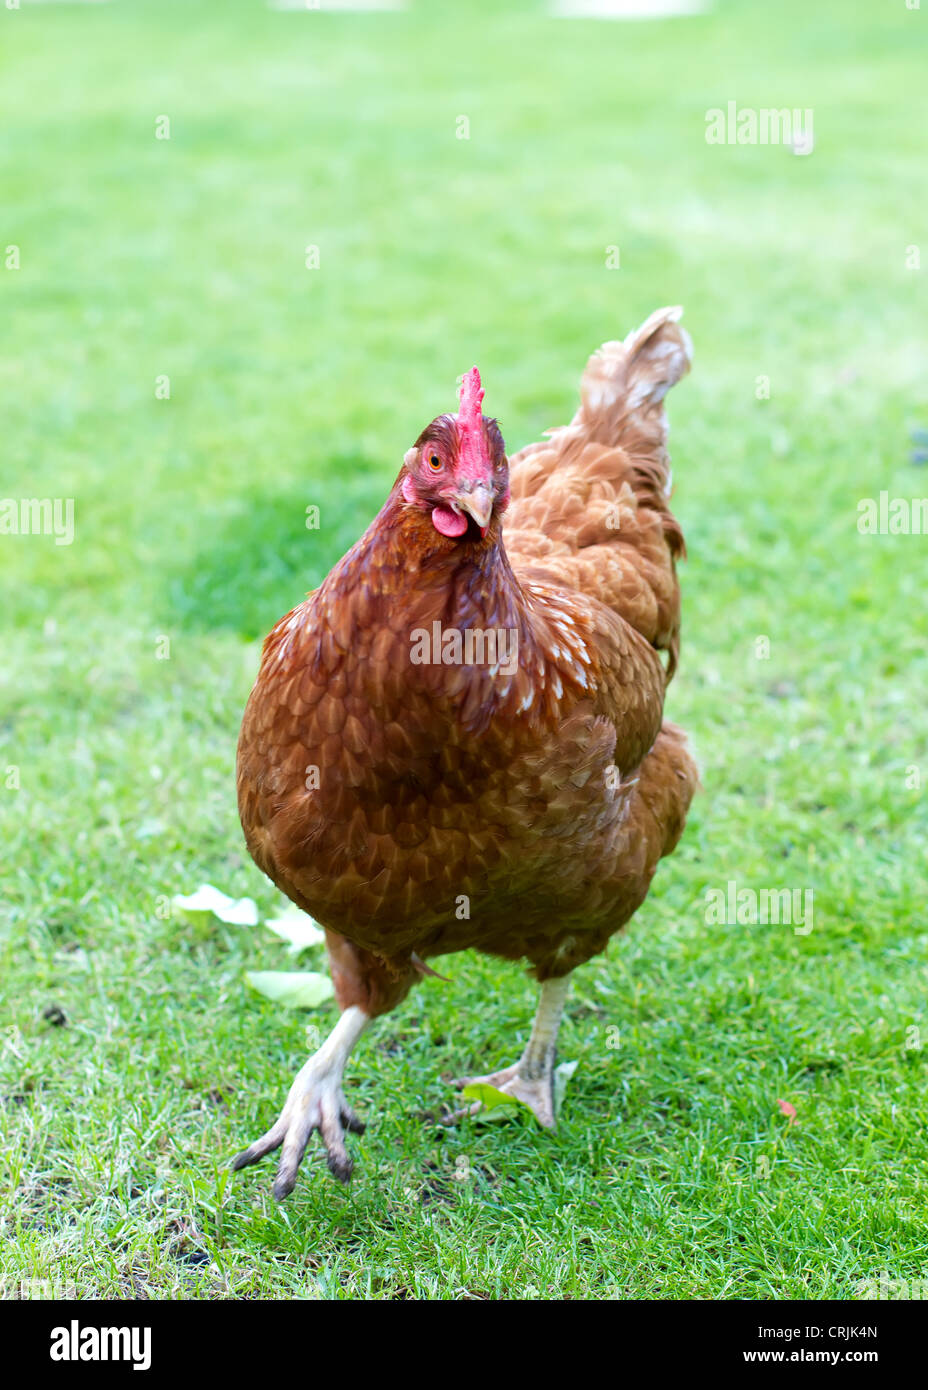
(471, 394)
(474, 459)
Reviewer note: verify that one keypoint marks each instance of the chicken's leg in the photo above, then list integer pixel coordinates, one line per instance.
(532, 1078)
(315, 1101)
(365, 987)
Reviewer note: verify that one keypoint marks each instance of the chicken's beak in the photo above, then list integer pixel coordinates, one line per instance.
(477, 501)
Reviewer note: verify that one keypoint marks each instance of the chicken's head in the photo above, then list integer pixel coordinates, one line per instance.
(457, 469)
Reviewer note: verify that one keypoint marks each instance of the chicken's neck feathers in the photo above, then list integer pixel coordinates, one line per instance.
(403, 577)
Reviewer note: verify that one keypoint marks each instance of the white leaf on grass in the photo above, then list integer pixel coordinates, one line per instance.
(562, 1075)
(241, 912)
(299, 931)
(149, 827)
(295, 989)
(77, 959)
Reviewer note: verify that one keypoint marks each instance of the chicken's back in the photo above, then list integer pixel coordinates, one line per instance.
(590, 505)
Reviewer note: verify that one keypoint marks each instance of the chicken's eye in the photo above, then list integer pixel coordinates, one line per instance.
(434, 463)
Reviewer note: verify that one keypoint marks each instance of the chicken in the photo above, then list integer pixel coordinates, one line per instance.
(457, 742)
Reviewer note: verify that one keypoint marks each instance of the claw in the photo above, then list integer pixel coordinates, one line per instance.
(351, 1121)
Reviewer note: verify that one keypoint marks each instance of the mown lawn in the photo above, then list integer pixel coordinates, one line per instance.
(674, 1172)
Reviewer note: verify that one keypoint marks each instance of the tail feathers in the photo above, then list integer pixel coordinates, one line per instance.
(625, 382)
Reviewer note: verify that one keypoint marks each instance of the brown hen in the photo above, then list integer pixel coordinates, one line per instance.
(458, 743)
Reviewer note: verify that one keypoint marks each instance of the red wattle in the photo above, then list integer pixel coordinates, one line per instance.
(449, 523)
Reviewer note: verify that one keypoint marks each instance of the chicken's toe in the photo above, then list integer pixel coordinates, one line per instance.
(266, 1144)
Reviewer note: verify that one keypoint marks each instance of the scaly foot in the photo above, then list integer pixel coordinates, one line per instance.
(537, 1092)
(315, 1102)
(532, 1078)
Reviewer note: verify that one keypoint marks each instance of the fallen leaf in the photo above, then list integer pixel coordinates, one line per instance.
(562, 1075)
(495, 1104)
(499, 1105)
(295, 989)
(299, 931)
(241, 912)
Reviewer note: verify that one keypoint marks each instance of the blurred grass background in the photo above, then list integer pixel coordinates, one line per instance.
(673, 1173)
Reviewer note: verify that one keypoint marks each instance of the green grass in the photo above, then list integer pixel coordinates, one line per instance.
(673, 1173)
